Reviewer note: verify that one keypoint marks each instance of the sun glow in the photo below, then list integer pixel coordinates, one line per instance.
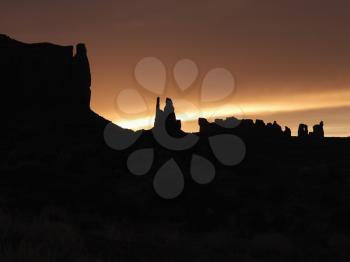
(245, 110)
(258, 110)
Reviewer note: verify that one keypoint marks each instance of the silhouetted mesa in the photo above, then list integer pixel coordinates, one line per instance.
(46, 98)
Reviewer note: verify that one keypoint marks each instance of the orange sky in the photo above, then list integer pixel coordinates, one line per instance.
(290, 59)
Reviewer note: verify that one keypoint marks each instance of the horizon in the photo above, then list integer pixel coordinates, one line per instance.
(290, 60)
(265, 112)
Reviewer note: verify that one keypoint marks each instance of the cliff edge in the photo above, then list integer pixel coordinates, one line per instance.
(45, 91)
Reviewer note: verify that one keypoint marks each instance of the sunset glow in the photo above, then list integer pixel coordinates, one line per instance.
(326, 100)
(282, 71)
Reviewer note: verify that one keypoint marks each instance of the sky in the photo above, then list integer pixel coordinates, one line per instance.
(290, 59)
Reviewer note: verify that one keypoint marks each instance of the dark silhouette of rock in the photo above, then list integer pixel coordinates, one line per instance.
(204, 125)
(167, 116)
(81, 75)
(303, 131)
(228, 122)
(173, 125)
(45, 82)
(318, 131)
(258, 130)
(276, 129)
(276, 126)
(158, 113)
(260, 124)
(287, 132)
(46, 98)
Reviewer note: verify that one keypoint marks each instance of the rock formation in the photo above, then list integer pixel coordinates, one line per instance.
(318, 131)
(303, 131)
(260, 124)
(167, 117)
(46, 95)
(287, 132)
(276, 129)
(81, 75)
(258, 130)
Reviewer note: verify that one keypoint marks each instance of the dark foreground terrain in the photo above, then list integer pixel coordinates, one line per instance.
(66, 196)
